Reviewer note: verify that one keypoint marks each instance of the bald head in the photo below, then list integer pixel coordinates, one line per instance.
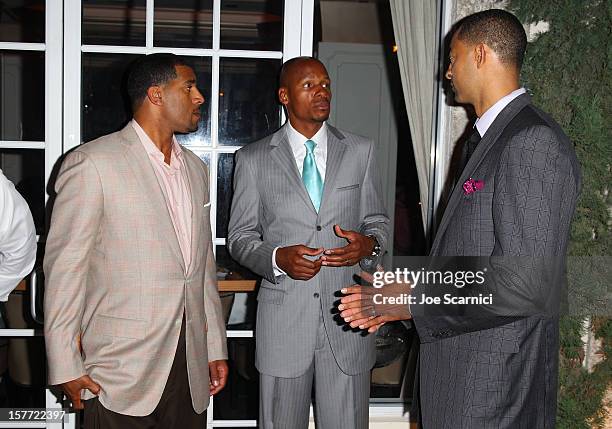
(291, 68)
(305, 93)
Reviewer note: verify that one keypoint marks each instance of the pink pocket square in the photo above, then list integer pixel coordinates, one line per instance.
(471, 186)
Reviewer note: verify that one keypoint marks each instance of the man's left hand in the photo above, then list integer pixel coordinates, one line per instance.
(359, 246)
(218, 375)
(360, 309)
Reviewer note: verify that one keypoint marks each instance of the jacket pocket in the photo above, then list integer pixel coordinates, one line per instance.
(503, 339)
(346, 188)
(272, 296)
(118, 327)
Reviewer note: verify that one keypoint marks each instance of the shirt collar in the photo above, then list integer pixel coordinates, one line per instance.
(484, 122)
(154, 152)
(297, 140)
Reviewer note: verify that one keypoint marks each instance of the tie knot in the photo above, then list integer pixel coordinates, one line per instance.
(310, 145)
(475, 137)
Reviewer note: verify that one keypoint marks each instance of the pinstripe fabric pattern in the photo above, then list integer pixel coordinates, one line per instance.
(285, 402)
(272, 208)
(115, 276)
(504, 376)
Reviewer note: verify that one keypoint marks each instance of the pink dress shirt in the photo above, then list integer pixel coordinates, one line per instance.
(173, 180)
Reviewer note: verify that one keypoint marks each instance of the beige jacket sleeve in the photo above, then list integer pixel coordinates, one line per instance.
(75, 224)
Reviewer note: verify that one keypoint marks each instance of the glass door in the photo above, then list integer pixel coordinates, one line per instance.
(31, 37)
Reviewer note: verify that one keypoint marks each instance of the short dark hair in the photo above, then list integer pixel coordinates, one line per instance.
(151, 70)
(498, 29)
(290, 65)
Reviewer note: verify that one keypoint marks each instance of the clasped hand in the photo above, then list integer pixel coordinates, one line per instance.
(218, 378)
(292, 259)
(368, 308)
(73, 389)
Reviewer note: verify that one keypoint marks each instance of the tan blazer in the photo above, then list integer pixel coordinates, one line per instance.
(115, 277)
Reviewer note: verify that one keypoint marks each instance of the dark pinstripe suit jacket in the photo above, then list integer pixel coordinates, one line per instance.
(489, 373)
(270, 208)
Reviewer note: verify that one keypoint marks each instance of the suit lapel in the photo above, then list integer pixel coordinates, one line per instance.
(335, 152)
(197, 205)
(486, 144)
(282, 154)
(138, 160)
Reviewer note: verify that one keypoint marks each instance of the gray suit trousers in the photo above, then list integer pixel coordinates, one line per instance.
(340, 401)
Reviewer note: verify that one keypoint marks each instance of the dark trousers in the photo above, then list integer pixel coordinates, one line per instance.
(173, 411)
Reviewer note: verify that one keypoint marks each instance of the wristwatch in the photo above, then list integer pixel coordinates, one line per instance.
(376, 250)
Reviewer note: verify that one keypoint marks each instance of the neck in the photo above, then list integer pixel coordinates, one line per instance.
(160, 135)
(307, 129)
(493, 93)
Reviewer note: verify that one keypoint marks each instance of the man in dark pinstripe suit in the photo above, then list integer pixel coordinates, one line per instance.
(308, 208)
(512, 209)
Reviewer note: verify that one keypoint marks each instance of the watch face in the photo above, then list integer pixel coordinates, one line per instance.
(368, 265)
(376, 250)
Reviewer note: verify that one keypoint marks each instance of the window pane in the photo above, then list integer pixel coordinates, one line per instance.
(239, 400)
(22, 21)
(203, 70)
(112, 22)
(395, 359)
(204, 156)
(234, 271)
(22, 95)
(248, 108)
(225, 172)
(252, 25)
(26, 169)
(184, 24)
(106, 106)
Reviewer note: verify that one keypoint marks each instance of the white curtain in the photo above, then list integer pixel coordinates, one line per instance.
(414, 26)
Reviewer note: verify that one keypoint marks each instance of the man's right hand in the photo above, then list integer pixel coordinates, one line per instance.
(291, 260)
(73, 389)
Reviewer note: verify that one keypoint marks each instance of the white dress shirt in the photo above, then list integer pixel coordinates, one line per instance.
(17, 238)
(296, 142)
(484, 122)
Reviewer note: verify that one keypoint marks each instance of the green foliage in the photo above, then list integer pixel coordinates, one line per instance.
(567, 69)
(581, 392)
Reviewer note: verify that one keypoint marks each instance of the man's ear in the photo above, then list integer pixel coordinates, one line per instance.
(283, 96)
(480, 54)
(154, 94)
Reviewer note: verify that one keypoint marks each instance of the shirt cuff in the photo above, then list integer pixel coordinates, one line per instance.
(277, 271)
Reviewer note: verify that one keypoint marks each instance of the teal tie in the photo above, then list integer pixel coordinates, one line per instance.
(311, 176)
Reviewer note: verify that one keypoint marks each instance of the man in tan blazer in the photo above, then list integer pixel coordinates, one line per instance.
(133, 320)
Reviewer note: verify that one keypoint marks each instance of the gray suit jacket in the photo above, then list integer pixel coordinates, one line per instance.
(271, 208)
(495, 372)
(116, 285)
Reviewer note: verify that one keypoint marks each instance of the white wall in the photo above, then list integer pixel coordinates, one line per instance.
(350, 22)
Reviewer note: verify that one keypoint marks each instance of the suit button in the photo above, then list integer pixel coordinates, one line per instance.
(318, 227)
(316, 295)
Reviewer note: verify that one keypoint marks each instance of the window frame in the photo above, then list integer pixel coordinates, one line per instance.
(52, 48)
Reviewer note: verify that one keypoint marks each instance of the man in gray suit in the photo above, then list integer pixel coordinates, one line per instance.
(308, 208)
(495, 367)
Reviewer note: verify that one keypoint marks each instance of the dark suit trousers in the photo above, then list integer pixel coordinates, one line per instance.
(173, 411)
